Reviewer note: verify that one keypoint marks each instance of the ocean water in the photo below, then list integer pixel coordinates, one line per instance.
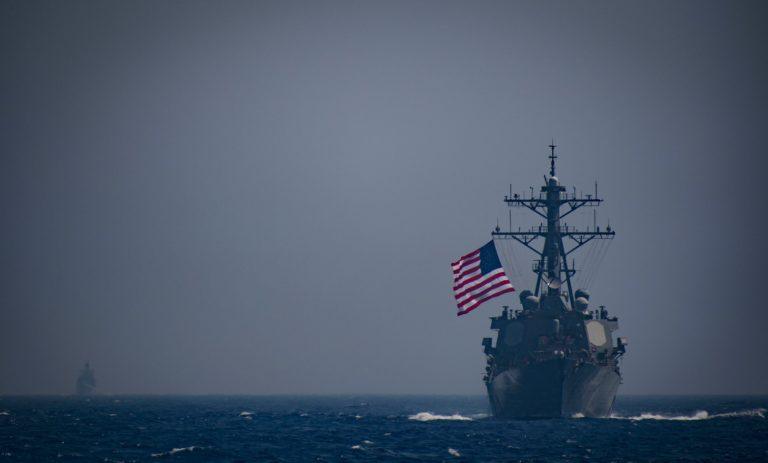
(373, 428)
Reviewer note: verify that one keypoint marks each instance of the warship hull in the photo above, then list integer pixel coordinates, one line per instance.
(553, 389)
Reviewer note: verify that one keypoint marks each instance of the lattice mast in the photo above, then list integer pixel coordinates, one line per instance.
(551, 266)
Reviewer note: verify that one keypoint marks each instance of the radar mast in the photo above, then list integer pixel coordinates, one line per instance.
(551, 263)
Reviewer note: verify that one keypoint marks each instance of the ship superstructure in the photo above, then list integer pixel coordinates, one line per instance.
(554, 356)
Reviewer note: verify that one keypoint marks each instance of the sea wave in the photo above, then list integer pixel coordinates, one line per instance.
(176, 450)
(697, 416)
(429, 416)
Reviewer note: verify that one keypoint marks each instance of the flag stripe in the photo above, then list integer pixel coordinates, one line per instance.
(491, 294)
(484, 281)
(466, 272)
(460, 287)
(457, 268)
(482, 292)
(473, 253)
(468, 279)
(477, 304)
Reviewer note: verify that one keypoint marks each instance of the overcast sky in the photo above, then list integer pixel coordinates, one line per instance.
(264, 197)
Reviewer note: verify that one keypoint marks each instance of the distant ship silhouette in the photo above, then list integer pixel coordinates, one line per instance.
(86, 382)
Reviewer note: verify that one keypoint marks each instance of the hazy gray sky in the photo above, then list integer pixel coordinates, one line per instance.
(263, 197)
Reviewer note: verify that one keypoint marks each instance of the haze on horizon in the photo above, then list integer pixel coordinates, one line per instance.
(264, 197)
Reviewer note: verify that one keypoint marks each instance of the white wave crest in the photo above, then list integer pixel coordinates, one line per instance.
(428, 416)
(175, 451)
(454, 452)
(4, 413)
(699, 415)
(246, 413)
(757, 412)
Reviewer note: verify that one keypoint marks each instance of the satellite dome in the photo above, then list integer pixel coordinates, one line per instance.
(582, 303)
(554, 180)
(582, 293)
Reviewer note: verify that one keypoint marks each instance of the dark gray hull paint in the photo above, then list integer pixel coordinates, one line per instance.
(553, 389)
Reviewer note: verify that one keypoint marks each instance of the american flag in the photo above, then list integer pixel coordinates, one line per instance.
(479, 277)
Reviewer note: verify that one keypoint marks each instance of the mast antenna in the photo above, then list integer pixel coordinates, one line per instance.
(552, 157)
(553, 204)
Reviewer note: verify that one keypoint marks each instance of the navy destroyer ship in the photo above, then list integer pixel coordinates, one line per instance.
(553, 356)
(86, 382)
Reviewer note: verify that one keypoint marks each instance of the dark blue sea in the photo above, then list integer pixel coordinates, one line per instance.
(373, 428)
